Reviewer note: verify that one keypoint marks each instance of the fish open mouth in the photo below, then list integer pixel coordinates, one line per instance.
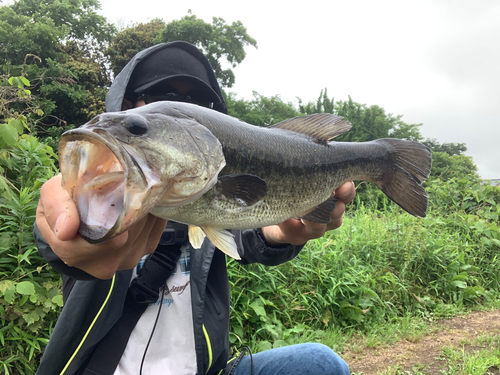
(95, 174)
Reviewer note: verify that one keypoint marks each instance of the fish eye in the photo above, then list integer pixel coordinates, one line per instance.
(136, 125)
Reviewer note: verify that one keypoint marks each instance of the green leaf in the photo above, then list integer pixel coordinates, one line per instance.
(5, 285)
(13, 81)
(23, 300)
(7, 193)
(264, 345)
(58, 300)
(8, 134)
(25, 287)
(459, 284)
(10, 295)
(17, 124)
(31, 317)
(258, 308)
(279, 344)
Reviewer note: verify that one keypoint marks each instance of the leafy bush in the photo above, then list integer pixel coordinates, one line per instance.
(30, 296)
(381, 264)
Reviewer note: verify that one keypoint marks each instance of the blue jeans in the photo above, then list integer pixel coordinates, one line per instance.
(303, 359)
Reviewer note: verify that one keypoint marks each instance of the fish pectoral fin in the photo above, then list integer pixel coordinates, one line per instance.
(223, 240)
(196, 236)
(243, 189)
(323, 126)
(323, 212)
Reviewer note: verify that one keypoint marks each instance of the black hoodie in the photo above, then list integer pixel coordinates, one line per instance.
(94, 305)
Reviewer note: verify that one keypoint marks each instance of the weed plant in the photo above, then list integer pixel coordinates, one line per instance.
(30, 295)
(481, 356)
(381, 265)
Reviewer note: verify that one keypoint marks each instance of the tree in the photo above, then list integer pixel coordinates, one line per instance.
(261, 110)
(59, 46)
(450, 148)
(323, 105)
(79, 18)
(402, 130)
(448, 160)
(368, 123)
(220, 42)
(128, 42)
(446, 166)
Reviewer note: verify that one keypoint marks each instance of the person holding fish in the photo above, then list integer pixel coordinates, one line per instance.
(129, 312)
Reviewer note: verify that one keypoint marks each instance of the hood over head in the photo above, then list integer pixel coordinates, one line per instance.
(153, 66)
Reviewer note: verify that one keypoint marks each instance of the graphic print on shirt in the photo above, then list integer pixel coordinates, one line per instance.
(179, 283)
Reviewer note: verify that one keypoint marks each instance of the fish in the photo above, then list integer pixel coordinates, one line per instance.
(214, 172)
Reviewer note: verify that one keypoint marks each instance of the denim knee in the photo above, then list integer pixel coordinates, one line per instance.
(303, 359)
(323, 360)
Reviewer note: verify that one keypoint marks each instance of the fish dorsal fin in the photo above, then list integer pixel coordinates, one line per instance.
(323, 126)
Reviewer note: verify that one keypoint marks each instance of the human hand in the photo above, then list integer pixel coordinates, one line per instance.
(298, 232)
(58, 222)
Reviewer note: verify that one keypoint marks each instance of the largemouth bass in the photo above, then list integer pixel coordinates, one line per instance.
(200, 167)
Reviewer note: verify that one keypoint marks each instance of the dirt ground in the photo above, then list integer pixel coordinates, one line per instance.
(428, 349)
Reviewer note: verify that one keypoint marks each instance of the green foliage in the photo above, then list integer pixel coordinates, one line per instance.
(380, 265)
(448, 161)
(30, 296)
(132, 40)
(369, 123)
(20, 36)
(261, 111)
(78, 19)
(323, 105)
(446, 167)
(450, 148)
(59, 47)
(222, 43)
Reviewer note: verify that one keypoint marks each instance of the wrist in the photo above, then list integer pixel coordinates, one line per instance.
(267, 237)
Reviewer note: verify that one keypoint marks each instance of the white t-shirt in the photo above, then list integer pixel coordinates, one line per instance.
(172, 347)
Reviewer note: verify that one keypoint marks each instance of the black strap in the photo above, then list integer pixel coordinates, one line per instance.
(143, 291)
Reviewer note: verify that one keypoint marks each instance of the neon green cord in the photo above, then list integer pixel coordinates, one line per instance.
(209, 345)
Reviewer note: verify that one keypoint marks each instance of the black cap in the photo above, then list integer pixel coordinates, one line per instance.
(151, 69)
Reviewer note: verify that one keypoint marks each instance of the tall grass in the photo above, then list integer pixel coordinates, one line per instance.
(381, 264)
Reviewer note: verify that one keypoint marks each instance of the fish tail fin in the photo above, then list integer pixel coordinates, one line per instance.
(402, 181)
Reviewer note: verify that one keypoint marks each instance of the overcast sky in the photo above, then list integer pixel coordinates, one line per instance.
(435, 62)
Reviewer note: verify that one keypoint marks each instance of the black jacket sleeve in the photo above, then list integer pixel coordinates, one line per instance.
(253, 248)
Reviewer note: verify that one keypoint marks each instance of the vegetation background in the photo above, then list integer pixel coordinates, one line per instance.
(57, 60)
